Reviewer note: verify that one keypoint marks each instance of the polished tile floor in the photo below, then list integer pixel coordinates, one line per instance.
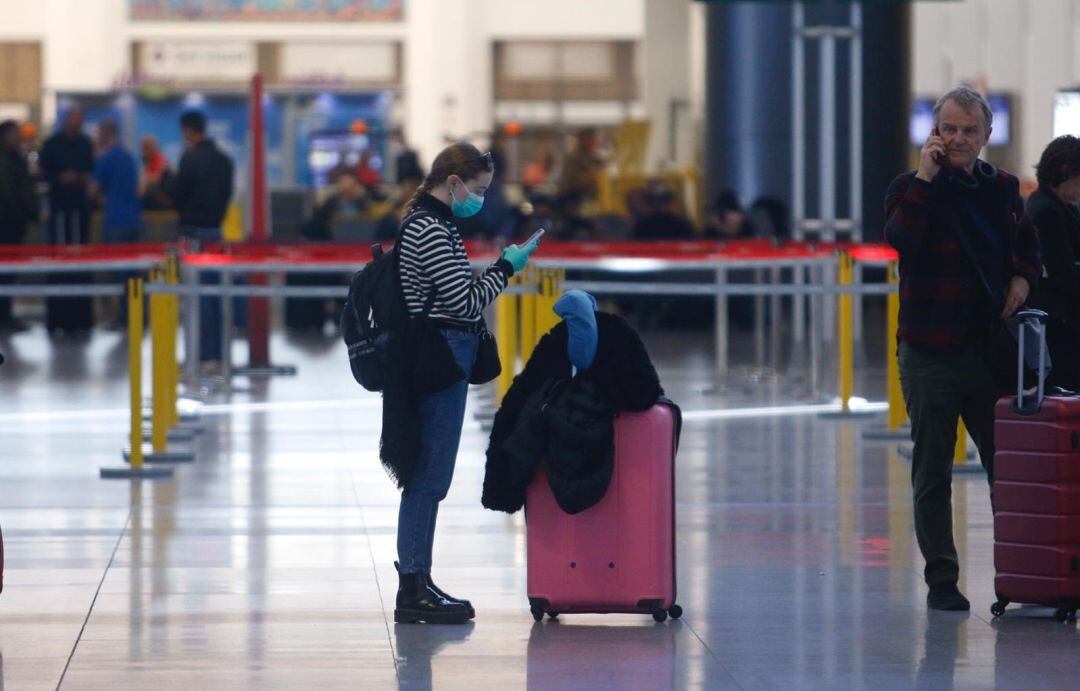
(267, 564)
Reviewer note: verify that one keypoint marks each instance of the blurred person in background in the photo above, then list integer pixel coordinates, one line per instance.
(367, 170)
(770, 218)
(347, 198)
(67, 161)
(154, 176)
(344, 204)
(387, 227)
(407, 167)
(664, 219)
(18, 206)
(727, 220)
(201, 191)
(538, 173)
(116, 183)
(580, 183)
(1053, 209)
(582, 168)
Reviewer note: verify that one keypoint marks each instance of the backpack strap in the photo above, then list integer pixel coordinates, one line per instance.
(429, 303)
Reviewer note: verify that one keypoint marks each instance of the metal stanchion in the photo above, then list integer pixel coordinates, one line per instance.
(721, 328)
(775, 308)
(759, 323)
(135, 334)
(191, 327)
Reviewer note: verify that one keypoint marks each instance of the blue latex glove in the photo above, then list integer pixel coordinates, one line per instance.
(519, 256)
(578, 310)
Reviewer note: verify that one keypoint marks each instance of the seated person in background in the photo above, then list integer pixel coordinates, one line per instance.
(538, 173)
(540, 213)
(1052, 208)
(347, 199)
(345, 202)
(769, 218)
(664, 219)
(386, 229)
(367, 171)
(727, 221)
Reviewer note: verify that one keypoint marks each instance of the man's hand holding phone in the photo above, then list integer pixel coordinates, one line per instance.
(934, 155)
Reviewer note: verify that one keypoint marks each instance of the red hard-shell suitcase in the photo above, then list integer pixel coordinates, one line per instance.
(619, 555)
(1037, 494)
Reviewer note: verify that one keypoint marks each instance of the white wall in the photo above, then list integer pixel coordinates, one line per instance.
(666, 79)
(448, 73)
(1027, 47)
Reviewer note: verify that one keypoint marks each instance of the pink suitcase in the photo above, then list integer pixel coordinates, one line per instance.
(1037, 497)
(619, 555)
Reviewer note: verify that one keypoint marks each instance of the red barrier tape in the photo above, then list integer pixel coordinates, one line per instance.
(335, 253)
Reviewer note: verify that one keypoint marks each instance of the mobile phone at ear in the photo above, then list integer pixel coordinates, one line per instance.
(939, 158)
(535, 237)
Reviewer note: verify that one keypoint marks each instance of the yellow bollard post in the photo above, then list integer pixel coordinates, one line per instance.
(160, 370)
(529, 304)
(540, 316)
(897, 407)
(960, 454)
(550, 293)
(846, 360)
(506, 327)
(135, 332)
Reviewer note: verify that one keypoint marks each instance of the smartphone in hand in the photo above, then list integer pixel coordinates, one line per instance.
(535, 237)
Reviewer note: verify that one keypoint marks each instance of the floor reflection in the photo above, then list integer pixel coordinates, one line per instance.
(417, 647)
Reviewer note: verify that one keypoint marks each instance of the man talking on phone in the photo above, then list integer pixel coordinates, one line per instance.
(969, 257)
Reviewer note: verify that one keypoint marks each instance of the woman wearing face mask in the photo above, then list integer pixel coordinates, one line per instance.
(436, 281)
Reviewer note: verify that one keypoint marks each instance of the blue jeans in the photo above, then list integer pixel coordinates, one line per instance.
(441, 416)
(209, 307)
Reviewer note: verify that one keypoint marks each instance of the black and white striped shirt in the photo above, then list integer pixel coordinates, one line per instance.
(433, 258)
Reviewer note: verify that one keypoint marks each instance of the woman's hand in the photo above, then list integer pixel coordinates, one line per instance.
(519, 256)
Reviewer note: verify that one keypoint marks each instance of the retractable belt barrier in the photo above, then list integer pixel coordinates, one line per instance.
(522, 315)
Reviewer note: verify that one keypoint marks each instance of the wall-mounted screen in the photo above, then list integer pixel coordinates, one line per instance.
(922, 119)
(1067, 113)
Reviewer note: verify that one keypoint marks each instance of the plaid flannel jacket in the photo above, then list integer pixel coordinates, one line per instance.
(937, 282)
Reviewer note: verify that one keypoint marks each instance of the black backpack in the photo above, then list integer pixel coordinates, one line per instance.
(374, 308)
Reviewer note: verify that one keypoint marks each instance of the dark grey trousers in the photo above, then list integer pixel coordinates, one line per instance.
(939, 390)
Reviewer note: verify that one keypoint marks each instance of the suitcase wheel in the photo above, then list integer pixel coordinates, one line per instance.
(553, 615)
(659, 615)
(1064, 614)
(998, 608)
(675, 612)
(537, 612)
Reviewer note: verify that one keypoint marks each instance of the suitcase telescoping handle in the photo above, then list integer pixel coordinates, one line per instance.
(1035, 320)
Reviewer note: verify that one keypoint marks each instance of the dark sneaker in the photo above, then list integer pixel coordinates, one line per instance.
(947, 598)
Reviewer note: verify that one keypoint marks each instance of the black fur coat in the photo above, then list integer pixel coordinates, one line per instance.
(621, 379)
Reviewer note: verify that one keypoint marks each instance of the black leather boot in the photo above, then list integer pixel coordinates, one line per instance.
(449, 598)
(416, 602)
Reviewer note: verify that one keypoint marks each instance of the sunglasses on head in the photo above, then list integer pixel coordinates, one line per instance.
(486, 156)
